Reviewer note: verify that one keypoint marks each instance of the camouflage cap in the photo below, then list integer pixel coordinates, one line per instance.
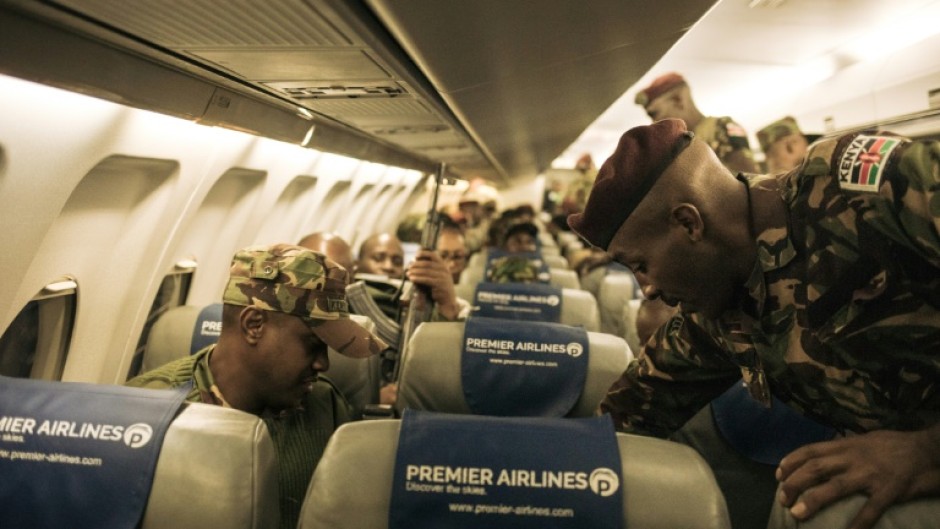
(303, 283)
(776, 130)
(516, 269)
(658, 87)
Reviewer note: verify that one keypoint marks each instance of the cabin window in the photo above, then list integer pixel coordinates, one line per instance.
(173, 292)
(36, 343)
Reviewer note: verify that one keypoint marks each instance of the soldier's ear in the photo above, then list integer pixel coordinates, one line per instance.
(687, 217)
(251, 321)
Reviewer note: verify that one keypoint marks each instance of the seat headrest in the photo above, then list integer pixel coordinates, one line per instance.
(665, 484)
(217, 468)
(431, 370)
(578, 307)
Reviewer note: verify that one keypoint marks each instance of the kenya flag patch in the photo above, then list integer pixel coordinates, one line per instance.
(864, 161)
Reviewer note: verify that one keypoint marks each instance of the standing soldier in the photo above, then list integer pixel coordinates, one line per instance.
(820, 286)
(669, 96)
(783, 144)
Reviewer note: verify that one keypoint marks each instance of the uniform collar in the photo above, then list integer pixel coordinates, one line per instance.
(768, 217)
(209, 392)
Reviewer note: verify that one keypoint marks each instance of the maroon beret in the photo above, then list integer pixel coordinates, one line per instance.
(658, 87)
(627, 176)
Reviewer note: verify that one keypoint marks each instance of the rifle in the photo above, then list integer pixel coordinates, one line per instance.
(416, 299)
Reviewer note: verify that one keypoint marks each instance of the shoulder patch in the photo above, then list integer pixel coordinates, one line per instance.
(864, 160)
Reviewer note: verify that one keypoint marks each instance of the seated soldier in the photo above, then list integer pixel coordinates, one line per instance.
(382, 254)
(333, 247)
(521, 237)
(283, 307)
(453, 249)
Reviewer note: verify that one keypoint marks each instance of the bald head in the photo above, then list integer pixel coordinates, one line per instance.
(334, 247)
(382, 254)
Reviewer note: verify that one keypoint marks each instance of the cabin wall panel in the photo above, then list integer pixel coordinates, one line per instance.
(122, 233)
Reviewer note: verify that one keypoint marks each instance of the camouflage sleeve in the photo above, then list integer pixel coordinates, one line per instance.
(900, 181)
(677, 373)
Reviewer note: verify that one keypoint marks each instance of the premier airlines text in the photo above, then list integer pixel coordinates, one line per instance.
(481, 476)
(535, 347)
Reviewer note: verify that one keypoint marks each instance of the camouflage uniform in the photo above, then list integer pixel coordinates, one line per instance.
(781, 128)
(305, 284)
(724, 136)
(841, 319)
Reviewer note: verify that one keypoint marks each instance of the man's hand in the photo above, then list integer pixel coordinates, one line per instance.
(887, 466)
(428, 269)
(388, 394)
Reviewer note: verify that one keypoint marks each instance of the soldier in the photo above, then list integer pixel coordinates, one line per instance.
(521, 237)
(453, 249)
(382, 254)
(819, 286)
(669, 96)
(334, 247)
(783, 144)
(283, 306)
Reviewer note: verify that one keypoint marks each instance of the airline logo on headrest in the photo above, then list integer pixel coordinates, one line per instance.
(13, 429)
(472, 480)
(505, 298)
(573, 349)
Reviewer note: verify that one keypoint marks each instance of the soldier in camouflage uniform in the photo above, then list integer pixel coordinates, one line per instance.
(783, 143)
(669, 96)
(820, 286)
(283, 306)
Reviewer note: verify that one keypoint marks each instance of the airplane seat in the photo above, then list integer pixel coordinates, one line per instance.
(131, 457)
(564, 278)
(665, 484)
(630, 310)
(431, 371)
(217, 468)
(555, 261)
(184, 330)
(580, 308)
(170, 337)
(577, 306)
(613, 294)
(913, 514)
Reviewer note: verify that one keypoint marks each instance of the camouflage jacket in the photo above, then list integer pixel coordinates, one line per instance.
(841, 319)
(724, 136)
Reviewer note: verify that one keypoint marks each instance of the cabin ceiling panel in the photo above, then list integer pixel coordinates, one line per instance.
(296, 65)
(527, 78)
(217, 23)
(516, 81)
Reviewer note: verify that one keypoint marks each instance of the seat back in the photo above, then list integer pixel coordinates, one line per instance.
(613, 294)
(665, 484)
(173, 333)
(914, 514)
(358, 379)
(431, 371)
(170, 337)
(578, 307)
(555, 261)
(217, 468)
